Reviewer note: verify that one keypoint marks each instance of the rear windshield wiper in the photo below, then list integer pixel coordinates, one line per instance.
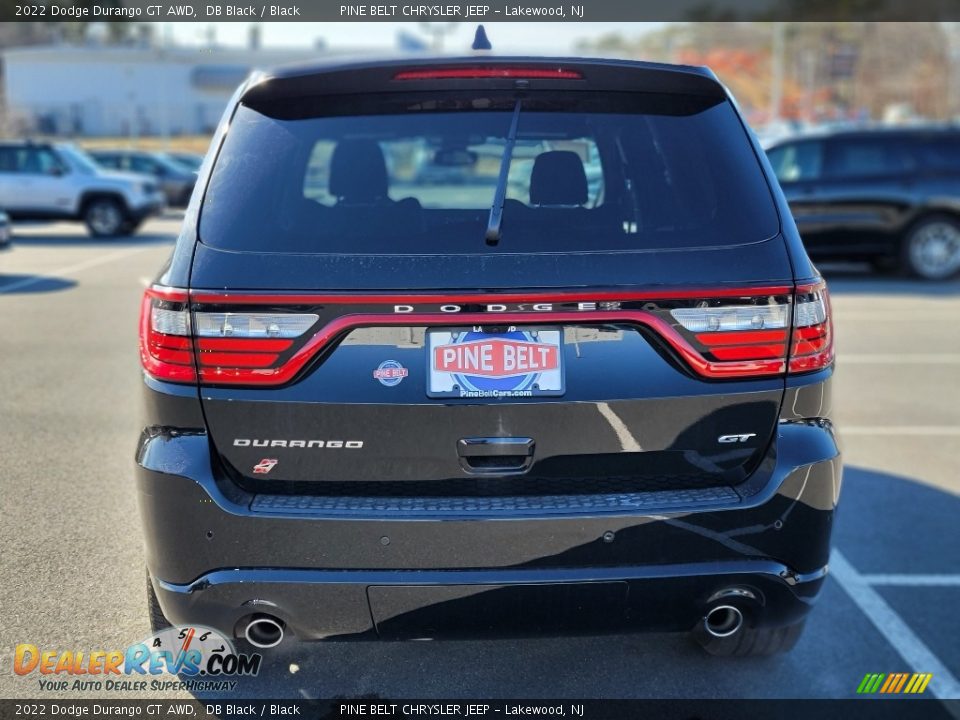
(496, 212)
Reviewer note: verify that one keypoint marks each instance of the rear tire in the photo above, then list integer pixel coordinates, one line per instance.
(158, 621)
(931, 248)
(751, 642)
(130, 227)
(105, 217)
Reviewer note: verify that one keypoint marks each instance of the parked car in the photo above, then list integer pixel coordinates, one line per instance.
(174, 179)
(58, 181)
(377, 410)
(191, 161)
(6, 231)
(889, 196)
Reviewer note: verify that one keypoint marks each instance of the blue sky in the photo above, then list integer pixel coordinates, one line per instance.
(555, 37)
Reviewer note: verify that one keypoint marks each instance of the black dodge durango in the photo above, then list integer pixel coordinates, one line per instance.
(487, 346)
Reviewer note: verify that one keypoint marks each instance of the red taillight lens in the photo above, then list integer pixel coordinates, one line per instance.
(812, 344)
(767, 336)
(489, 72)
(166, 349)
(227, 347)
(247, 347)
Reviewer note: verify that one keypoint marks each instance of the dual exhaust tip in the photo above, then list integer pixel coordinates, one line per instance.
(264, 631)
(723, 621)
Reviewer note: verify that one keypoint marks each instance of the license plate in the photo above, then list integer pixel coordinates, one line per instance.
(478, 363)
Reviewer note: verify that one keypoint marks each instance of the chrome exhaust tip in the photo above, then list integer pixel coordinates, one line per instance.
(723, 621)
(264, 631)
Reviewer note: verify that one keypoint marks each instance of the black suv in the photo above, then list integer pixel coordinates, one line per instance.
(889, 196)
(507, 400)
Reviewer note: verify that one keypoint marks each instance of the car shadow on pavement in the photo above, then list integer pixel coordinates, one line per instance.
(27, 284)
(885, 524)
(82, 239)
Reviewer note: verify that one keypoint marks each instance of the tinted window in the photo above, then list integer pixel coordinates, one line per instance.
(868, 157)
(602, 172)
(145, 165)
(108, 161)
(940, 153)
(797, 161)
(8, 159)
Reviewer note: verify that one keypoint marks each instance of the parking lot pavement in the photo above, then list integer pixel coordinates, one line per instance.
(72, 576)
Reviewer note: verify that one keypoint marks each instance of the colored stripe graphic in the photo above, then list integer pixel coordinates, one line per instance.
(903, 681)
(912, 683)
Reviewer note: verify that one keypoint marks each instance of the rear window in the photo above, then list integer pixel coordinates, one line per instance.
(411, 175)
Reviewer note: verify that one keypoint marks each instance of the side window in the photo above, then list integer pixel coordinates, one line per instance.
(8, 160)
(868, 157)
(143, 165)
(108, 161)
(40, 161)
(940, 155)
(797, 161)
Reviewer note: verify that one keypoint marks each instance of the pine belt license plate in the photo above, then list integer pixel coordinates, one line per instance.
(474, 362)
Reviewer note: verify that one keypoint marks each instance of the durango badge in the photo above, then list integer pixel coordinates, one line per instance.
(390, 373)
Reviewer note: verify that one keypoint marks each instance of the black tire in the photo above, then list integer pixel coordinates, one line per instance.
(130, 227)
(931, 248)
(751, 642)
(158, 620)
(105, 217)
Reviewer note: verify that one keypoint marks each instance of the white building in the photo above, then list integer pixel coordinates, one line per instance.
(127, 91)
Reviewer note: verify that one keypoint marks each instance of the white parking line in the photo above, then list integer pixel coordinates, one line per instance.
(889, 624)
(900, 359)
(73, 269)
(921, 430)
(908, 580)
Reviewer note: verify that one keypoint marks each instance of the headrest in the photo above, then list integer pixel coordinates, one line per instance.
(558, 178)
(358, 172)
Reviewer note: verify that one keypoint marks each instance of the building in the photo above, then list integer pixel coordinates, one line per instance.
(127, 91)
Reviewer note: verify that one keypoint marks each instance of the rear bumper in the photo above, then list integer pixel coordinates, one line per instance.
(347, 570)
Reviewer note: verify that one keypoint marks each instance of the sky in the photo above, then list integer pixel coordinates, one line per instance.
(555, 37)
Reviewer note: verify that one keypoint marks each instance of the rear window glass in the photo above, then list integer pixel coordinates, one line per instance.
(586, 173)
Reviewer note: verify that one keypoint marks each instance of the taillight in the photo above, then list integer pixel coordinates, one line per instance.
(766, 337)
(166, 349)
(261, 339)
(812, 343)
(246, 346)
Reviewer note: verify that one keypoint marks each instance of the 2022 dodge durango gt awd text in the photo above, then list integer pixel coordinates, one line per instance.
(510, 402)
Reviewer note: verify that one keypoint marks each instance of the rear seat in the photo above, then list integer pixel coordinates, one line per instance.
(358, 179)
(558, 195)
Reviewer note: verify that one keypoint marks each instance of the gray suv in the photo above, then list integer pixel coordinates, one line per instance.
(58, 181)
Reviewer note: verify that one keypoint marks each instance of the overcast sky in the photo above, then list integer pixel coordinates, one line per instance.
(553, 37)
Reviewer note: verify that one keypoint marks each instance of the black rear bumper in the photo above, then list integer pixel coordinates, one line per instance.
(654, 561)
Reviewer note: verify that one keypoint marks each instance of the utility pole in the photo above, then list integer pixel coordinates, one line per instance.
(776, 75)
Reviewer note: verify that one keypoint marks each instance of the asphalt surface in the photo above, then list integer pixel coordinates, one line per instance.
(72, 575)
